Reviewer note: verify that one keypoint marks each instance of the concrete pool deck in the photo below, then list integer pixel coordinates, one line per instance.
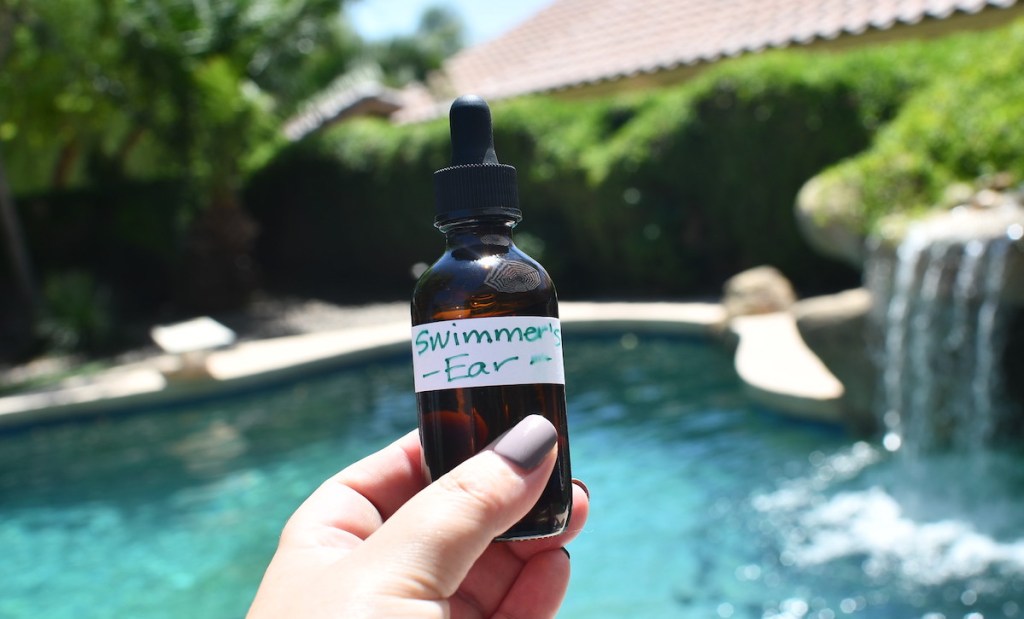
(774, 364)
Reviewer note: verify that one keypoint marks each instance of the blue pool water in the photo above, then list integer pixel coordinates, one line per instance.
(702, 504)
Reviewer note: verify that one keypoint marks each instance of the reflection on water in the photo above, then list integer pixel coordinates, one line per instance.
(210, 449)
(703, 505)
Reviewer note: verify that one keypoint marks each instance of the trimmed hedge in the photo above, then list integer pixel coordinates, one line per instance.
(653, 194)
(346, 215)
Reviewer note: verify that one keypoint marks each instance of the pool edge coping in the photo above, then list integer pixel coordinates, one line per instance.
(250, 364)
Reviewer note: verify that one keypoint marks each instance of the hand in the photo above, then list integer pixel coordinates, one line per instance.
(373, 541)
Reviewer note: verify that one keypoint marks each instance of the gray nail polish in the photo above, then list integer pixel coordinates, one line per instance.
(527, 442)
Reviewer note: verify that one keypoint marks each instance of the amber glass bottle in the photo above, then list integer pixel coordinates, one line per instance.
(486, 338)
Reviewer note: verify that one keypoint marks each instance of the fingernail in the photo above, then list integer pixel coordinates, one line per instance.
(527, 442)
(567, 555)
(582, 486)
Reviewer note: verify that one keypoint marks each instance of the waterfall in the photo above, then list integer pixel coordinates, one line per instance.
(942, 331)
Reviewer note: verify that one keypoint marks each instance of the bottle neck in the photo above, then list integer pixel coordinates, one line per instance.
(479, 231)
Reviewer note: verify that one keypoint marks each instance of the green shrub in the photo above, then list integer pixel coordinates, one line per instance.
(963, 124)
(76, 313)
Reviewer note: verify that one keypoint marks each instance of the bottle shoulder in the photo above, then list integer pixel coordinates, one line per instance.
(481, 284)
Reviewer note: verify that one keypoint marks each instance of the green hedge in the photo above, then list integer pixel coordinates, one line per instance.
(664, 193)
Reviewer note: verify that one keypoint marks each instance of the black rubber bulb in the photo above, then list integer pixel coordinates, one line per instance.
(472, 135)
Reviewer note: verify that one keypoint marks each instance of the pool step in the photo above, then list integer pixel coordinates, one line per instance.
(779, 371)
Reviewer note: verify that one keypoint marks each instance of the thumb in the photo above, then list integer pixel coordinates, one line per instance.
(436, 537)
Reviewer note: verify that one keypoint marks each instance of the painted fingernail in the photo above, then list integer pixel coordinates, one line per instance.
(582, 486)
(527, 442)
(567, 555)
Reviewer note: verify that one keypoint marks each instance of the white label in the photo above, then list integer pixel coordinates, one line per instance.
(487, 352)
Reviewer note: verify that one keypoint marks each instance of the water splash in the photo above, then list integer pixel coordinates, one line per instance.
(901, 523)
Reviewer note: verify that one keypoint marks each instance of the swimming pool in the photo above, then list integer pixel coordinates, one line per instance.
(703, 505)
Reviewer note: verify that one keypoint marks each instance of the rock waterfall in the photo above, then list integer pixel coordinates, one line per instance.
(944, 307)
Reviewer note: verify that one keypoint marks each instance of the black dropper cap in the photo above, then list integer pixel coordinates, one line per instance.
(475, 184)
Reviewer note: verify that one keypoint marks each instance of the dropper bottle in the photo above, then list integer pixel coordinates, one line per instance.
(487, 344)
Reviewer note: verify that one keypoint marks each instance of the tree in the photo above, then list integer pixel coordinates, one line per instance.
(14, 239)
(97, 94)
(440, 34)
(89, 84)
(21, 265)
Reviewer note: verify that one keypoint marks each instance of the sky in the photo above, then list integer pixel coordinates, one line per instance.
(378, 19)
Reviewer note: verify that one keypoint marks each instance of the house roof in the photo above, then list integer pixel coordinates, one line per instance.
(356, 93)
(574, 43)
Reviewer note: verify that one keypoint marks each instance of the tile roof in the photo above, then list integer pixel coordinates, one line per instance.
(571, 43)
(356, 93)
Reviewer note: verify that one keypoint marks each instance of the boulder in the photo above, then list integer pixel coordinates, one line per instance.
(837, 329)
(829, 214)
(761, 290)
